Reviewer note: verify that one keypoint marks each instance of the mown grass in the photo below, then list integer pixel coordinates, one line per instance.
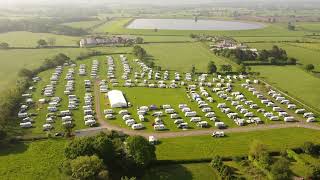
(181, 56)
(199, 171)
(233, 145)
(12, 61)
(306, 53)
(293, 80)
(35, 160)
(83, 24)
(29, 39)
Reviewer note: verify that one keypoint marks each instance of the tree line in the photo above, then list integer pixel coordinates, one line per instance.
(274, 56)
(40, 26)
(143, 56)
(11, 99)
(107, 156)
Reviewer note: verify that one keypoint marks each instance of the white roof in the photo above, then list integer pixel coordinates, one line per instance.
(117, 99)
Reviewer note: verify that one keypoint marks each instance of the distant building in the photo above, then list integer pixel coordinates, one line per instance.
(113, 40)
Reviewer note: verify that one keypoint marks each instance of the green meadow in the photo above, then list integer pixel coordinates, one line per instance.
(293, 80)
(83, 24)
(234, 144)
(181, 56)
(35, 160)
(197, 171)
(13, 60)
(29, 39)
(306, 53)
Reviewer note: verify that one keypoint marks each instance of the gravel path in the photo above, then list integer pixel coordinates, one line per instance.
(104, 125)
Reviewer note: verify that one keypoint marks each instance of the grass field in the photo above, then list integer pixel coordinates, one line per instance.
(306, 53)
(181, 56)
(294, 80)
(36, 160)
(29, 39)
(13, 60)
(82, 24)
(199, 171)
(234, 144)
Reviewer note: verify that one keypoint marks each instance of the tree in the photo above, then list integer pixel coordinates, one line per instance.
(226, 68)
(141, 150)
(52, 41)
(79, 147)
(292, 61)
(4, 45)
(193, 69)
(242, 68)
(103, 147)
(139, 40)
(256, 149)
(25, 73)
(212, 68)
(86, 167)
(280, 169)
(42, 43)
(309, 67)
(309, 148)
(291, 26)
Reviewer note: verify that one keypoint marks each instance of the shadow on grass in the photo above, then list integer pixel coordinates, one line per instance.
(13, 148)
(168, 172)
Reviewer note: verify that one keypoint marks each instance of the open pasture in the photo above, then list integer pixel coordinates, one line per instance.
(29, 39)
(35, 160)
(306, 53)
(181, 56)
(235, 144)
(15, 59)
(293, 80)
(182, 171)
(83, 24)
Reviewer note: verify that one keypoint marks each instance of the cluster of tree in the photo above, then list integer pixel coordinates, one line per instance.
(113, 156)
(40, 26)
(142, 54)
(212, 68)
(4, 45)
(10, 100)
(309, 67)
(291, 26)
(9, 105)
(225, 171)
(277, 169)
(226, 68)
(86, 55)
(275, 56)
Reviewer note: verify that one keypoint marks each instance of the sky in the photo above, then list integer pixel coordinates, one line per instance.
(153, 2)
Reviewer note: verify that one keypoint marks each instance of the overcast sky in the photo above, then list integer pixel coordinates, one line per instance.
(152, 2)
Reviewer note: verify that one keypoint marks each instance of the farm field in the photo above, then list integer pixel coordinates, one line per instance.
(29, 39)
(83, 24)
(293, 80)
(234, 144)
(13, 60)
(197, 171)
(181, 56)
(155, 38)
(306, 53)
(35, 160)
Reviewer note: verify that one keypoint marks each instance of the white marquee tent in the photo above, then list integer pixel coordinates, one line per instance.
(117, 99)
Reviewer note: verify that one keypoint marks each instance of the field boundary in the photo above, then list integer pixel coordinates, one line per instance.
(291, 97)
